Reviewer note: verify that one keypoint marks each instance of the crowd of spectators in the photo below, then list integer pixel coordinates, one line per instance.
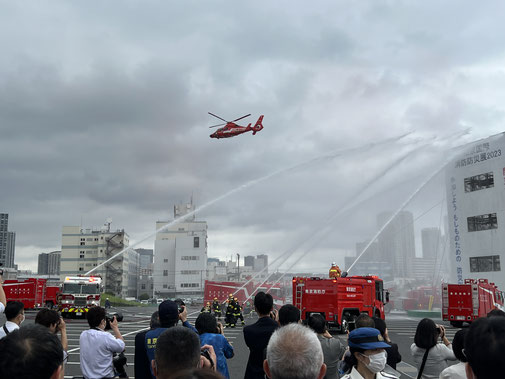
(280, 347)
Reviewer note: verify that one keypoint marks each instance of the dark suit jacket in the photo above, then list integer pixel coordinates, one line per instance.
(142, 364)
(256, 337)
(393, 355)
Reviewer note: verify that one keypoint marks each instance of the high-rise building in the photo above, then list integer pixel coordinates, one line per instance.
(249, 260)
(7, 242)
(397, 242)
(49, 263)
(371, 254)
(145, 281)
(476, 210)
(84, 249)
(180, 255)
(431, 242)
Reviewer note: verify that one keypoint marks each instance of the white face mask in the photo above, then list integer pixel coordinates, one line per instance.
(377, 362)
(23, 319)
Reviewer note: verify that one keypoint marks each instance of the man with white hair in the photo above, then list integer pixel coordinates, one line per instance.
(294, 352)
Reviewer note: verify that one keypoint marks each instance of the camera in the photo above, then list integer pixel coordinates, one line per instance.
(108, 320)
(180, 305)
(205, 353)
(439, 331)
(119, 362)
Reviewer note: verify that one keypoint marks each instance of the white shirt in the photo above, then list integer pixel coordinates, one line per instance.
(456, 371)
(436, 361)
(2, 306)
(354, 374)
(11, 326)
(97, 347)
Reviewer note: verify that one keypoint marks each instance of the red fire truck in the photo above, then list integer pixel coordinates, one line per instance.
(340, 300)
(32, 292)
(78, 294)
(422, 297)
(469, 301)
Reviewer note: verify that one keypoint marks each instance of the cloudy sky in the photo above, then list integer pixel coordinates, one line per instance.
(103, 113)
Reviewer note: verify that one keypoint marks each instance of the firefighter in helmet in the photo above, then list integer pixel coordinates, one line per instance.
(206, 308)
(237, 311)
(216, 307)
(335, 271)
(230, 312)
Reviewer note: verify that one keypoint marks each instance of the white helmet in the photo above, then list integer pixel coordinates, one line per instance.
(333, 263)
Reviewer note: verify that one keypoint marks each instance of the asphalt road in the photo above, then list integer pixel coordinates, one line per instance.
(401, 331)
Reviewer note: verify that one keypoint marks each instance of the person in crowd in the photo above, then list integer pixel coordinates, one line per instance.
(257, 335)
(107, 303)
(168, 313)
(294, 352)
(368, 354)
(142, 365)
(216, 308)
(3, 298)
(178, 348)
(364, 321)
(495, 313)
(54, 322)
(288, 313)
(392, 351)
(197, 373)
(32, 352)
(98, 346)
(333, 350)
(15, 315)
(211, 333)
(426, 349)
(485, 347)
(457, 371)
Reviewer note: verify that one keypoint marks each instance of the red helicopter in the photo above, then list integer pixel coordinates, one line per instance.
(231, 129)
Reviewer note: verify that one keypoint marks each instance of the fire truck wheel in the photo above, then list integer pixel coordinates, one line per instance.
(457, 324)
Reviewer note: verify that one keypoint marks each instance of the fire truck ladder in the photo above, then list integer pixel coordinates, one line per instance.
(298, 296)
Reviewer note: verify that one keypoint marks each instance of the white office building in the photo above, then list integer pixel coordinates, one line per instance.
(84, 249)
(180, 256)
(476, 211)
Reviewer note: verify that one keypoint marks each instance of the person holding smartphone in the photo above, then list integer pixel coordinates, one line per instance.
(430, 356)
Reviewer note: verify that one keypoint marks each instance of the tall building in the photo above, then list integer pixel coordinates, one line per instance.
(180, 255)
(431, 242)
(49, 263)
(7, 242)
(476, 211)
(84, 249)
(371, 254)
(145, 281)
(397, 242)
(249, 260)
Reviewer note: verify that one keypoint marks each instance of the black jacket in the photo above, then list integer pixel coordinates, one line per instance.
(256, 337)
(142, 364)
(393, 355)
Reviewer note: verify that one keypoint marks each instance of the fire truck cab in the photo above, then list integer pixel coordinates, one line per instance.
(469, 301)
(78, 294)
(340, 300)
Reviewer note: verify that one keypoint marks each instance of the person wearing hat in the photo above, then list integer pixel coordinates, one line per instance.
(368, 357)
(216, 307)
(169, 315)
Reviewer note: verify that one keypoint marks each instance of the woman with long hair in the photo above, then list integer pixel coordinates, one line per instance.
(431, 357)
(211, 333)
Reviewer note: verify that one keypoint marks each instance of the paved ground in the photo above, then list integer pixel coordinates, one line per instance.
(401, 330)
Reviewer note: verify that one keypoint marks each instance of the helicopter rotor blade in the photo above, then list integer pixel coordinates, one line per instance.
(240, 118)
(214, 126)
(212, 114)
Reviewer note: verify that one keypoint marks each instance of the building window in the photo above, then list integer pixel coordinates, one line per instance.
(83, 243)
(479, 182)
(196, 242)
(190, 258)
(143, 286)
(83, 239)
(165, 285)
(81, 254)
(190, 272)
(165, 272)
(482, 222)
(81, 268)
(485, 264)
(165, 260)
